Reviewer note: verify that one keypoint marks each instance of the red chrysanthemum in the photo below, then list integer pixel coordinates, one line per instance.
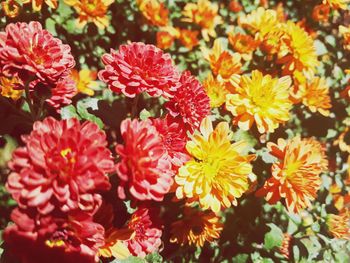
(137, 68)
(34, 53)
(62, 93)
(62, 165)
(35, 238)
(144, 166)
(147, 234)
(174, 139)
(190, 103)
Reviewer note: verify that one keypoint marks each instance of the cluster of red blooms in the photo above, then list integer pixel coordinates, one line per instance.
(58, 176)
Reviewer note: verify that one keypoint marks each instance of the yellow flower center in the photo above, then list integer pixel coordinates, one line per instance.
(55, 243)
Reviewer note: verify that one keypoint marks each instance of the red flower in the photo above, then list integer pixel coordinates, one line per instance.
(190, 102)
(35, 238)
(137, 68)
(144, 167)
(31, 51)
(147, 235)
(174, 139)
(63, 93)
(62, 165)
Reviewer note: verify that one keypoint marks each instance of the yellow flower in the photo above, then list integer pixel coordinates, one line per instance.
(259, 21)
(345, 32)
(11, 8)
(215, 90)
(337, 4)
(195, 228)
(243, 44)
(154, 11)
(339, 225)
(296, 173)
(217, 173)
(7, 87)
(91, 11)
(114, 243)
(188, 38)
(225, 66)
(343, 141)
(298, 51)
(315, 96)
(262, 99)
(205, 14)
(85, 81)
(37, 4)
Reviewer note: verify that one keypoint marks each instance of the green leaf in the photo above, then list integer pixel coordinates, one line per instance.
(273, 238)
(144, 114)
(240, 258)
(154, 258)
(131, 259)
(82, 107)
(69, 112)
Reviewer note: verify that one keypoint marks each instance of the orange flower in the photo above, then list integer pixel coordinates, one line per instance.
(195, 228)
(188, 38)
(37, 4)
(315, 96)
(154, 11)
(285, 248)
(11, 8)
(85, 81)
(205, 14)
(343, 141)
(338, 225)
(296, 174)
(345, 32)
(272, 41)
(243, 44)
(8, 87)
(166, 37)
(235, 6)
(91, 11)
(215, 90)
(225, 66)
(337, 4)
(320, 13)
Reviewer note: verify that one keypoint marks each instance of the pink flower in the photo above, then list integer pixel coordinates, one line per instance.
(147, 234)
(144, 168)
(35, 238)
(190, 103)
(137, 68)
(62, 166)
(63, 93)
(33, 53)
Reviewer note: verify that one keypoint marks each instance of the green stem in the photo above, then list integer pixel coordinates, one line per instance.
(28, 100)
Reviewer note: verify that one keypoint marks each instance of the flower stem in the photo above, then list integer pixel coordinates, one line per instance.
(134, 106)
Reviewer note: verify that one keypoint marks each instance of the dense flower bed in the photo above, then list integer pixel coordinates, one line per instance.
(174, 131)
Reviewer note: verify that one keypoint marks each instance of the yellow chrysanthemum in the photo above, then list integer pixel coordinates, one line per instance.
(37, 4)
(195, 228)
(343, 141)
(85, 81)
(345, 32)
(154, 11)
(296, 174)
(189, 38)
(91, 11)
(262, 99)
(7, 87)
(205, 14)
(225, 65)
(337, 4)
(243, 44)
(11, 8)
(260, 21)
(315, 96)
(215, 90)
(339, 225)
(298, 51)
(217, 173)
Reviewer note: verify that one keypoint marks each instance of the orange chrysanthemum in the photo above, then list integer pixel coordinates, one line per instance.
(345, 32)
(320, 13)
(217, 174)
(85, 81)
(189, 38)
(243, 44)
(337, 4)
(205, 14)
(296, 173)
(235, 6)
(8, 87)
(94, 11)
(225, 65)
(195, 228)
(11, 8)
(315, 96)
(261, 99)
(339, 225)
(343, 141)
(215, 90)
(166, 37)
(154, 11)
